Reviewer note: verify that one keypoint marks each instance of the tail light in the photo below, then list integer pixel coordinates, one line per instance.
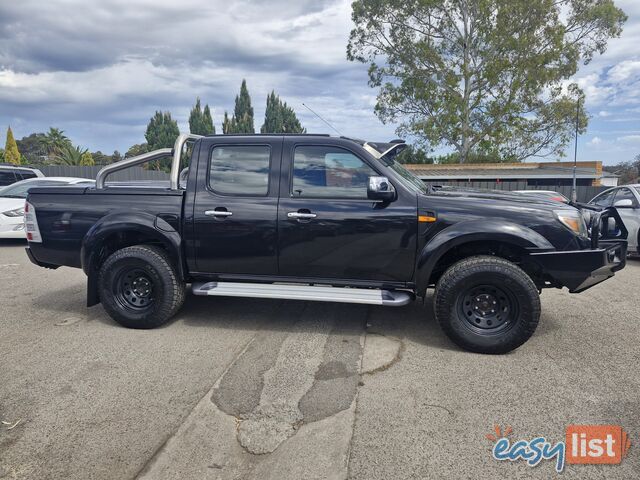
(31, 224)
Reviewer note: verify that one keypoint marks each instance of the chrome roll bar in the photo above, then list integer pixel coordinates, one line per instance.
(174, 152)
(177, 153)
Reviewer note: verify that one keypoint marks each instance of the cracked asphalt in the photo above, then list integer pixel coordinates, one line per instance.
(246, 388)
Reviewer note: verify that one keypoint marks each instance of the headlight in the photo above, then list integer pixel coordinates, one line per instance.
(573, 220)
(18, 212)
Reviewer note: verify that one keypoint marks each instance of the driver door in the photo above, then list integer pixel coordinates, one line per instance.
(329, 229)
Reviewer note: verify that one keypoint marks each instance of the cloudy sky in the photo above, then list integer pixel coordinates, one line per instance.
(99, 70)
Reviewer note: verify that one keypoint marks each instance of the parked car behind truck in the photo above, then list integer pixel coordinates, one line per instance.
(626, 199)
(12, 202)
(319, 218)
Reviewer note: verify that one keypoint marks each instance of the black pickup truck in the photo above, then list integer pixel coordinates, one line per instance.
(315, 217)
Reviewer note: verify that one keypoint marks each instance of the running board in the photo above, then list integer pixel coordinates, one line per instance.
(393, 298)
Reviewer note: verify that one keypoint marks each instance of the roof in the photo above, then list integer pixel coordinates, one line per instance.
(493, 171)
(16, 167)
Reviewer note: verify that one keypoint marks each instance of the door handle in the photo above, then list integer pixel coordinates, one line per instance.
(217, 213)
(299, 215)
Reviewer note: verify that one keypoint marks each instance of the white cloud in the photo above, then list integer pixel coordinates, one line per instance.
(100, 72)
(595, 141)
(629, 139)
(624, 71)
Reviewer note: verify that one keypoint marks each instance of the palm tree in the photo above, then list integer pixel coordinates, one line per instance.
(69, 155)
(54, 142)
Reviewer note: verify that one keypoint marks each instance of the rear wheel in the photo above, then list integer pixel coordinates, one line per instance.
(139, 288)
(487, 304)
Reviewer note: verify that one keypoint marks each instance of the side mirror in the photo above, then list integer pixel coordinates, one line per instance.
(626, 203)
(379, 188)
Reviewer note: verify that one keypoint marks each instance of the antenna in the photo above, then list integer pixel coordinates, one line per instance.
(574, 195)
(334, 128)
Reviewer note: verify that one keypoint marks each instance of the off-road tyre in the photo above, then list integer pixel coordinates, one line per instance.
(139, 287)
(487, 304)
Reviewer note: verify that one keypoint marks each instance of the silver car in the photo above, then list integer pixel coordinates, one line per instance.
(626, 199)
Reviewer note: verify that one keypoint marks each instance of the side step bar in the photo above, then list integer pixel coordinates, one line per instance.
(393, 298)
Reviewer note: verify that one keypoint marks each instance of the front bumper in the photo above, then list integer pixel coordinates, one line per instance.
(581, 269)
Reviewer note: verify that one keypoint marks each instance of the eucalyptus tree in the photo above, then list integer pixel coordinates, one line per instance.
(486, 76)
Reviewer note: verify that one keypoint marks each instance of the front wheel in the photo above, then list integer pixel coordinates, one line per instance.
(487, 304)
(139, 288)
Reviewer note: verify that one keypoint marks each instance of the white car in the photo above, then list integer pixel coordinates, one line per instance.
(626, 199)
(548, 194)
(10, 174)
(12, 202)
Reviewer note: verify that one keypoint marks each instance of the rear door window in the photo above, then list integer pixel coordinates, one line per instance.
(240, 170)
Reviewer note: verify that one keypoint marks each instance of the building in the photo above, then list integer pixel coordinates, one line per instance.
(516, 176)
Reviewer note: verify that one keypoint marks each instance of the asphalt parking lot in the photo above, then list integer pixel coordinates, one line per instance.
(241, 388)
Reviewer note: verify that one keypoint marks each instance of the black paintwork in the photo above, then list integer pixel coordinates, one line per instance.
(350, 242)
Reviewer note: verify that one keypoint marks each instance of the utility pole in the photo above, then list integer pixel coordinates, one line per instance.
(574, 193)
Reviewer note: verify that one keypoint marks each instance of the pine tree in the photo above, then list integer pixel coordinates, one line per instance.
(200, 122)
(11, 153)
(279, 117)
(273, 121)
(209, 127)
(290, 121)
(86, 159)
(162, 132)
(242, 120)
(228, 124)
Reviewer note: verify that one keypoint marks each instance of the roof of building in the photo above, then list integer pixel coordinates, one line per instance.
(493, 171)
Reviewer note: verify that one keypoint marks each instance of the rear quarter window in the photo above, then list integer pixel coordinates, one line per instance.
(7, 177)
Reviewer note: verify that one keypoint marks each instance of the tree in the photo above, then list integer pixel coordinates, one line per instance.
(137, 149)
(414, 155)
(242, 120)
(629, 171)
(87, 159)
(482, 75)
(116, 156)
(69, 155)
(11, 153)
(279, 117)
(32, 147)
(208, 121)
(162, 132)
(200, 122)
(228, 124)
(100, 158)
(54, 142)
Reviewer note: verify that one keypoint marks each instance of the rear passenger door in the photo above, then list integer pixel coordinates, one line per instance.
(236, 206)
